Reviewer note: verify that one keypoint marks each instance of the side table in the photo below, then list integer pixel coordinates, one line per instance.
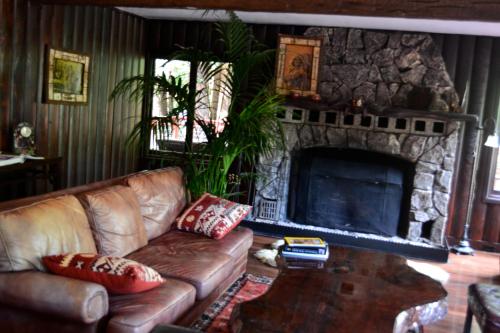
(30, 178)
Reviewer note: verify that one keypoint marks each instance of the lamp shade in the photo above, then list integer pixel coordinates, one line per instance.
(493, 141)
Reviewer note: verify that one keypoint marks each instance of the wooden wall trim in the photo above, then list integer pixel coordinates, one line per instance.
(475, 10)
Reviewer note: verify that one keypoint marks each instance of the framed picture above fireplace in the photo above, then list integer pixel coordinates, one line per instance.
(66, 77)
(297, 65)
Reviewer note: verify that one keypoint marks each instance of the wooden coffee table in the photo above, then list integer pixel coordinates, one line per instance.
(356, 291)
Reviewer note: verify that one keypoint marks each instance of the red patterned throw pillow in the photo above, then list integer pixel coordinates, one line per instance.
(213, 216)
(117, 275)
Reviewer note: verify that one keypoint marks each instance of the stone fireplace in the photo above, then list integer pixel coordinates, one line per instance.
(340, 168)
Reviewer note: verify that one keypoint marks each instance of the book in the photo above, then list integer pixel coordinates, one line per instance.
(15, 159)
(293, 263)
(316, 256)
(10, 159)
(304, 241)
(310, 250)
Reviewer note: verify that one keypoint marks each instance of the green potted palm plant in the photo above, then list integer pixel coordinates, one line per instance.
(251, 127)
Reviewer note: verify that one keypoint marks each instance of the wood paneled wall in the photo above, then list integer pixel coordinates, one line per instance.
(473, 64)
(90, 138)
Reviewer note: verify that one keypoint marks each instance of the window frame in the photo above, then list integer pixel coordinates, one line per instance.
(492, 196)
(177, 147)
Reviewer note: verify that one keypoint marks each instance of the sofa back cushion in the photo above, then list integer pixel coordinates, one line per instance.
(162, 196)
(115, 219)
(48, 227)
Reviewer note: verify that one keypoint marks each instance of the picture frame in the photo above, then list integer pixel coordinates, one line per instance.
(66, 77)
(297, 65)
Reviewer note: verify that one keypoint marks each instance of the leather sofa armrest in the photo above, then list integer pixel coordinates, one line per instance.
(56, 295)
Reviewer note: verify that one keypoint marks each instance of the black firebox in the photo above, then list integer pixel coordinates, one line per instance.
(351, 190)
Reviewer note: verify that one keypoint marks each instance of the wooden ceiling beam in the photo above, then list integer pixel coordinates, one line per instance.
(470, 10)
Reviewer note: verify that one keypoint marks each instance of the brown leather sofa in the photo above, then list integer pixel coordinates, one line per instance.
(105, 217)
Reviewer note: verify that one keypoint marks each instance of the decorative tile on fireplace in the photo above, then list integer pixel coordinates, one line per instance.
(341, 119)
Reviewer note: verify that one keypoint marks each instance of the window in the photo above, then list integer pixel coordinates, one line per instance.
(163, 104)
(493, 190)
(496, 177)
(211, 108)
(213, 103)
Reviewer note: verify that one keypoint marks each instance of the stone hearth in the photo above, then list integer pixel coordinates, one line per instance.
(386, 70)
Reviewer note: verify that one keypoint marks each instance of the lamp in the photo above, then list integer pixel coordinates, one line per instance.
(492, 141)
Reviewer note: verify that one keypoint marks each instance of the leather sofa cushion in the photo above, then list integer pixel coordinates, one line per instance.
(49, 227)
(204, 270)
(142, 312)
(235, 244)
(162, 197)
(115, 219)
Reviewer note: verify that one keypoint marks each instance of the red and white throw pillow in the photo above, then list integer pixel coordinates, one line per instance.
(117, 275)
(213, 216)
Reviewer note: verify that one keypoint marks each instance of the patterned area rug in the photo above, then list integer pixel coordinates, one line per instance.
(216, 318)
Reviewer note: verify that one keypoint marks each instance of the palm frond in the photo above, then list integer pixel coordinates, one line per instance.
(236, 37)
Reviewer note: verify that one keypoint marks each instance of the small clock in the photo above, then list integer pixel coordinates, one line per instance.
(24, 139)
(26, 131)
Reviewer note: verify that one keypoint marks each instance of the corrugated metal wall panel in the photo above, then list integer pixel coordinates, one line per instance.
(90, 138)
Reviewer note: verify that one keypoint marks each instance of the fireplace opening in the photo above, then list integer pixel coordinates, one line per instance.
(351, 190)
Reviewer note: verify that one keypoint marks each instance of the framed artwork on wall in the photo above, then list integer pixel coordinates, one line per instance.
(67, 77)
(297, 65)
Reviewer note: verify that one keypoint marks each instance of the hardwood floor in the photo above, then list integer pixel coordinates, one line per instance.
(483, 267)
(464, 270)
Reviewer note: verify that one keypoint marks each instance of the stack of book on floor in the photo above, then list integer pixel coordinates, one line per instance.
(305, 249)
